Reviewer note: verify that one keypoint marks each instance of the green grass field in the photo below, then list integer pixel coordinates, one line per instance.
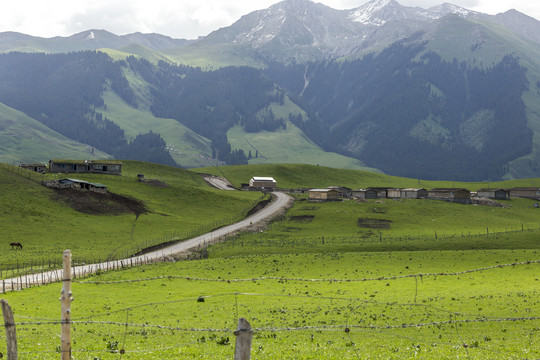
(484, 314)
(314, 285)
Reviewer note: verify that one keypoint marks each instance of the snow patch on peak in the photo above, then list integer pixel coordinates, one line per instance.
(439, 11)
(367, 14)
(90, 36)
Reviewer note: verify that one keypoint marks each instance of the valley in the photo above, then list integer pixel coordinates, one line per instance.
(154, 142)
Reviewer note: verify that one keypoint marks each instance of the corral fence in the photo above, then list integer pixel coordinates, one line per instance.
(245, 332)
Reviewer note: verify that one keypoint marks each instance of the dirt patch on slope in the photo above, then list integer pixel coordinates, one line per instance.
(368, 223)
(302, 218)
(93, 203)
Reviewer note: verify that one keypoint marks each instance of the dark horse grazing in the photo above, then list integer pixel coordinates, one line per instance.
(15, 245)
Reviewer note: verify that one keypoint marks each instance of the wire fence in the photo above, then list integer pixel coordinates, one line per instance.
(291, 324)
(255, 240)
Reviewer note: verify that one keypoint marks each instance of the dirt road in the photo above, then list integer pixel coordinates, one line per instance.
(280, 202)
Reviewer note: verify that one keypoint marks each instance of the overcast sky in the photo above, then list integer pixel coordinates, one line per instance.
(187, 19)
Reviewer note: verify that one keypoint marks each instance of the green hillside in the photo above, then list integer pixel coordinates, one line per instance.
(490, 45)
(289, 145)
(310, 176)
(178, 204)
(186, 147)
(23, 139)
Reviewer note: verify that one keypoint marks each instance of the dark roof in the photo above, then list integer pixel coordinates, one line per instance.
(70, 161)
(449, 189)
(33, 165)
(525, 189)
(487, 190)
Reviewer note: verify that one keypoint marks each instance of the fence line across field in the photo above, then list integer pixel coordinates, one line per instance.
(263, 278)
(244, 332)
(41, 278)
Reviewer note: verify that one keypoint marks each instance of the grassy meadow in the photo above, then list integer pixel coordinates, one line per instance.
(342, 280)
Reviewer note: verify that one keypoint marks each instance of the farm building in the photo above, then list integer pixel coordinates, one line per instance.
(40, 168)
(393, 193)
(376, 193)
(108, 167)
(498, 194)
(525, 192)
(359, 193)
(414, 193)
(76, 184)
(323, 194)
(262, 182)
(450, 194)
(344, 191)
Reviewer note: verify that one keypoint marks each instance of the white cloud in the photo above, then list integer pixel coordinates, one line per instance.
(177, 18)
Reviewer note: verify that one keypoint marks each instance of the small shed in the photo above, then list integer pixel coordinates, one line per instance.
(359, 194)
(262, 182)
(450, 194)
(413, 193)
(393, 193)
(323, 195)
(81, 184)
(343, 190)
(498, 194)
(525, 192)
(376, 193)
(40, 168)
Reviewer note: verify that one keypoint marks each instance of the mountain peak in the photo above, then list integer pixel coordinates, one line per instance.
(379, 12)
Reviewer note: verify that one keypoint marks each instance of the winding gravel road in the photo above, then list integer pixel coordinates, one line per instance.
(279, 203)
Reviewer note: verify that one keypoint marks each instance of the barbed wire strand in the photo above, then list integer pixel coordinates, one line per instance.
(365, 301)
(347, 328)
(298, 328)
(263, 278)
(384, 333)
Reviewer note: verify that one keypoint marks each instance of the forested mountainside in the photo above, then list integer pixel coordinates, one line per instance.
(438, 93)
(405, 113)
(412, 114)
(62, 92)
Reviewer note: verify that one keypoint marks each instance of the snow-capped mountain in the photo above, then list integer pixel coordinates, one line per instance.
(302, 29)
(380, 12)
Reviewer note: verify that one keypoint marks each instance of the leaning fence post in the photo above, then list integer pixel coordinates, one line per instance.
(244, 335)
(66, 307)
(11, 336)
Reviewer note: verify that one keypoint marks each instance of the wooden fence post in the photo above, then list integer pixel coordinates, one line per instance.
(244, 334)
(66, 307)
(11, 336)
